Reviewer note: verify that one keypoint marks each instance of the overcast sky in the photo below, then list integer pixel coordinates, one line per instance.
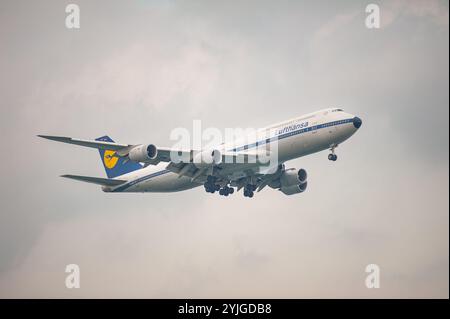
(136, 70)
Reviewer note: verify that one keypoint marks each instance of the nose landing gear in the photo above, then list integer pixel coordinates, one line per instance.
(332, 157)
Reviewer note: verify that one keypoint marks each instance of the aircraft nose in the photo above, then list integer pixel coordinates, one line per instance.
(357, 122)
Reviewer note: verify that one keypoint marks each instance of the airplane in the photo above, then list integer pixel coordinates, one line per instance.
(148, 168)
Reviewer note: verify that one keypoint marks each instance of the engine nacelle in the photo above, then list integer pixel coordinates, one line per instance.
(293, 181)
(207, 158)
(293, 177)
(143, 153)
(294, 189)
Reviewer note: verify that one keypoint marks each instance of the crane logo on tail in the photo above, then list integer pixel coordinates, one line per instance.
(110, 159)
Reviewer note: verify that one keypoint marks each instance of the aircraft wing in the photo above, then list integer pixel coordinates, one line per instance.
(88, 143)
(164, 154)
(238, 175)
(180, 162)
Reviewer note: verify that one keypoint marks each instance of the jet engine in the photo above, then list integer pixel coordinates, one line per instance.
(293, 181)
(143, 153)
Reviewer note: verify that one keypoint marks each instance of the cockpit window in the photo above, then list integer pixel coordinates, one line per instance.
(338, 110)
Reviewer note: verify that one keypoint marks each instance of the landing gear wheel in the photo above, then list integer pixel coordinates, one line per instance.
(248, 191)
(225, 191)
(332, 157)
(210, 187)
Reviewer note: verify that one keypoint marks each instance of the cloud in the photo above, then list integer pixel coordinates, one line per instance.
(137, 71)
(434, 10)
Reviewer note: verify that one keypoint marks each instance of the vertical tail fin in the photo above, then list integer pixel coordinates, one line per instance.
(115, 166)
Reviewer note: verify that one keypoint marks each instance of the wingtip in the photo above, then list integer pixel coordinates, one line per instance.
(48, 137)
(69, 176)
(54, 138)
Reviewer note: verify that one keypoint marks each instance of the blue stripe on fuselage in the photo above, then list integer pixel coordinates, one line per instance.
(292, 133)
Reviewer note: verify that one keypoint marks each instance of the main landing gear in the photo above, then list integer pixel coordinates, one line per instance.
(332, 157)
(248, 190)
(225, 191)
(211, 187)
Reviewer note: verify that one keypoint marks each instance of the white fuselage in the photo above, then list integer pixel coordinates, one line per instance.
(295, 138)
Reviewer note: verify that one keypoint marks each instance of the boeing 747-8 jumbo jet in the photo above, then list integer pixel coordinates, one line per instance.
(247, 163)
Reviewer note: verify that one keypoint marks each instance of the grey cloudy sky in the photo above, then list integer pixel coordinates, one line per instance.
(137, 69)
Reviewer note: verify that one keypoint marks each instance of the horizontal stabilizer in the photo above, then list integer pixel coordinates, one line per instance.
(96, 180)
